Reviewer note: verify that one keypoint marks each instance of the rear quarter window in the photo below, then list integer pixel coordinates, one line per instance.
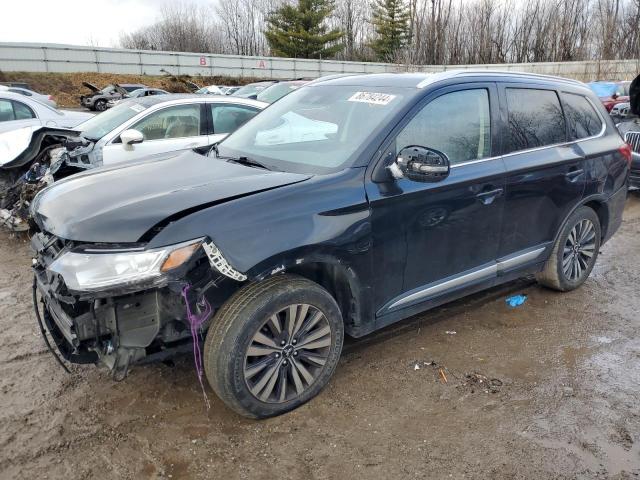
(535, 119)
(582, 119)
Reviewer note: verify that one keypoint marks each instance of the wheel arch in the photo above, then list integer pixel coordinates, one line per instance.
(340, 280)
(597, 203)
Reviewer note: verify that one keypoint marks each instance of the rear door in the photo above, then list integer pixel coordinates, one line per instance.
(168, 129)
(545, 171)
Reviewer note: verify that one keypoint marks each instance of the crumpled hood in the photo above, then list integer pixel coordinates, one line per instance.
(121, 204)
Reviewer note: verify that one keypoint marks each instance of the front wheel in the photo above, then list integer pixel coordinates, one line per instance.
(273, 346)
(100, 105)
(575, 252)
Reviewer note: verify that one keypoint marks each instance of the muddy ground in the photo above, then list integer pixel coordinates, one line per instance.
(563, 403)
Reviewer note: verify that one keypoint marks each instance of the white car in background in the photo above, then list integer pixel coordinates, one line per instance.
(18, 111)
(144, 126)
(212, 90)
(42, 98)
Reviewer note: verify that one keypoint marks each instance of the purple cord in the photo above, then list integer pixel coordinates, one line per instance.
(195, 322)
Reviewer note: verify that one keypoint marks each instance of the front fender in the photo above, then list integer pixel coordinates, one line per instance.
(325, 217)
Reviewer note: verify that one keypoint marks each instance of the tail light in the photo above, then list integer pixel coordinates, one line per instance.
(50, 97)
(625, 150)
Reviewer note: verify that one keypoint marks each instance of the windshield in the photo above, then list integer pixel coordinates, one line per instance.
(604, 89)
(315, 129)
(277, 91)
(138, 92)
(251, 89)
(97, 127)
(108, 89)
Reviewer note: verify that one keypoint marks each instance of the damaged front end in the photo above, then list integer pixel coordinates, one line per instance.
(115, 305)
(42, 156)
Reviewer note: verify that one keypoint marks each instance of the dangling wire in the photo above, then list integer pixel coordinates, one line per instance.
(195, 322)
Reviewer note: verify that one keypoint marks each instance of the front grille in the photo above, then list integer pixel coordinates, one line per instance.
(633, 139)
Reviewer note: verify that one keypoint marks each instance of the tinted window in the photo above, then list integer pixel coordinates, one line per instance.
(22, 111)
(535, 119)
(172, 122)
(457, 124)
(227, 118)
(6, 111)
(582, 119)
(20, 91)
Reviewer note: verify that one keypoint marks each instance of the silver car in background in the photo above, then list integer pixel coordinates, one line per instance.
(42, 98)
(17, 111)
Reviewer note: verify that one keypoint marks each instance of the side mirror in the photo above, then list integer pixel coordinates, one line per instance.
(420, 164)
(253, 96)
(131, 137)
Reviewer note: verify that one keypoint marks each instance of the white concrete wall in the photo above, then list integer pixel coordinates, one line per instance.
(34, 57)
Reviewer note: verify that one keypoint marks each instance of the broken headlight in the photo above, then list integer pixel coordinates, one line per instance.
(94, 269)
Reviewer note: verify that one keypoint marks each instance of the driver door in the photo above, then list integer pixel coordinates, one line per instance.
(433, 238)
(169, 129)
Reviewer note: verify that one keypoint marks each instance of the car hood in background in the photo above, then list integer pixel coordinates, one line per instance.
(91, 87)
(19, 146)
(121, 205)
(71, 118)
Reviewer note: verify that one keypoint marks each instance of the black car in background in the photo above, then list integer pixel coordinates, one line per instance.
(348, 205)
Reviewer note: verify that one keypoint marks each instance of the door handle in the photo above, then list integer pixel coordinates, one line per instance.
(487, 198)
(574, 174)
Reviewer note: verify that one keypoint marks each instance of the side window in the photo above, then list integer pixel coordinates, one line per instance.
(6, 111)
(582, 119)
(172, 122)
(22, 111)
(458, 124)
(535, 119)
(227, 118)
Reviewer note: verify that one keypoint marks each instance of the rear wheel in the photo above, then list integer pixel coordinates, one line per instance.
(273, 346)
(574, 253)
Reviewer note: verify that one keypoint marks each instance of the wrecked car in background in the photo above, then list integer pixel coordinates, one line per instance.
(134, 129)
(140, 92)
(98, 100)
(30, 156)
(282, 240)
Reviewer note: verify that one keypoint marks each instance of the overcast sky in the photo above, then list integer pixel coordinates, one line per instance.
(77, 22)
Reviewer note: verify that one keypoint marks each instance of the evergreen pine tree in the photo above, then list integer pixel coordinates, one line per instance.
(300, 31)
(391, 23)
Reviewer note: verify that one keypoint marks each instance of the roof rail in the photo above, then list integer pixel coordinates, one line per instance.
(479, 71)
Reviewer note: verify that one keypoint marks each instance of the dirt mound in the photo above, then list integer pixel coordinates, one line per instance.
(65, 88)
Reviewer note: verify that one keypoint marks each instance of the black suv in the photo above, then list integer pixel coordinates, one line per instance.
(350, 204)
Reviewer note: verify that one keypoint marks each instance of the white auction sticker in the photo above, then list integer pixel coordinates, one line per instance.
(373, 98)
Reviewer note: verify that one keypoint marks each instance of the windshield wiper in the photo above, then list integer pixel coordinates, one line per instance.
(241, 160)
(249, 162)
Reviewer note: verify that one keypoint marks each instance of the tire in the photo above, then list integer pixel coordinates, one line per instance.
(560, 271)
(252, 362)
(100, 105)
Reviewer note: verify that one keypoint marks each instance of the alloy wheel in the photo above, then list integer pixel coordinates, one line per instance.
(579, 250)
(287, 353)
